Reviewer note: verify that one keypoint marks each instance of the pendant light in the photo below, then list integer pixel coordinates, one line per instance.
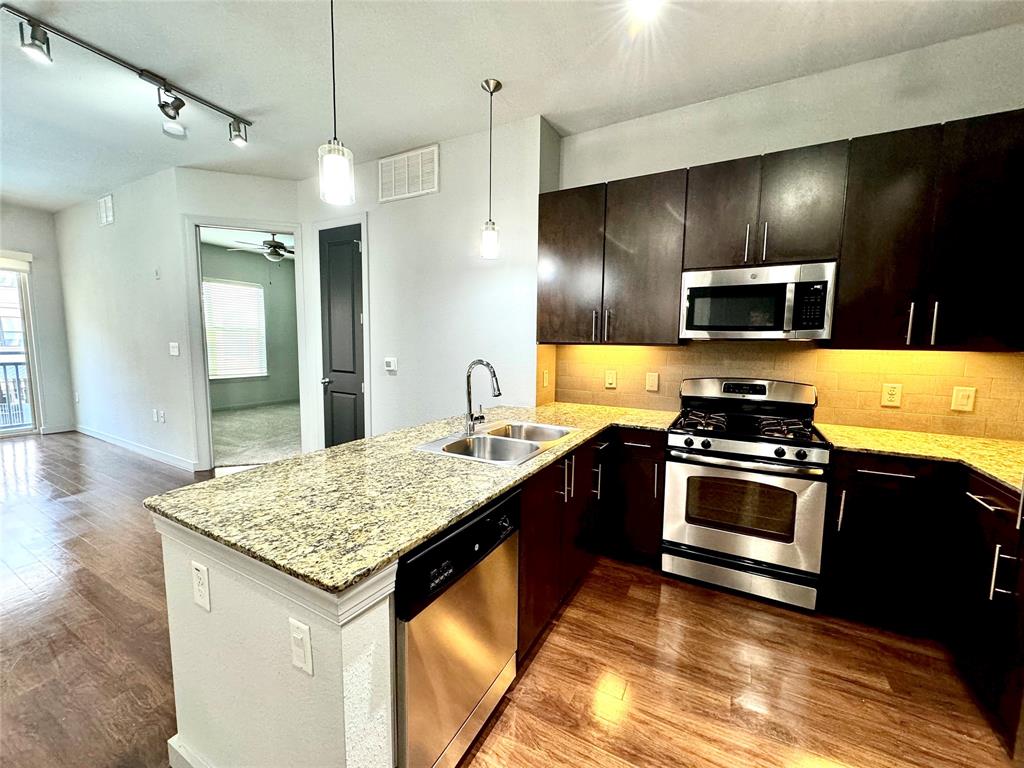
(337, 171)
(489, 233)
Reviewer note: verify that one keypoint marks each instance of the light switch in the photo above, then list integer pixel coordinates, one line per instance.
(892, 395)
(200, 585)
(172, 349)
(545, 377)
(651, 383)
(391, 364)
(302, 651)
(963, 398)
(610, 380)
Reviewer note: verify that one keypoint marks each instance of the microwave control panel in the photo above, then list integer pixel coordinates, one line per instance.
(809, 306)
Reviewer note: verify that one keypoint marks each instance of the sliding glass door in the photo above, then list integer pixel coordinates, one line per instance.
(17, 411)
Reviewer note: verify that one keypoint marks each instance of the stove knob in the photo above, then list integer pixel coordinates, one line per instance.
(780, 451)
(705, 444)
(688, 442)
(801, 454)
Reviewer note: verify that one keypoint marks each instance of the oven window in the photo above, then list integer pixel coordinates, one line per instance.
(737, 307)
(741, 506)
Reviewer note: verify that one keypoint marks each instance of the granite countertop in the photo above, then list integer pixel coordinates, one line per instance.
(333, 517)
(1000, 460)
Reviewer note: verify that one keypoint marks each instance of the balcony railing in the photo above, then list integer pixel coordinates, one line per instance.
(15, 402)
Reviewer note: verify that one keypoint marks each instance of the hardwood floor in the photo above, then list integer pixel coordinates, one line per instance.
(639, 670)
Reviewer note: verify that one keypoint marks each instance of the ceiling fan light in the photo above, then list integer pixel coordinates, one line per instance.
(37, 45)
(337, 173)
(237, 133)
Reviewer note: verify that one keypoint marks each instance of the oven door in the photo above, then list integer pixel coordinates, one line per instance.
(767, 513)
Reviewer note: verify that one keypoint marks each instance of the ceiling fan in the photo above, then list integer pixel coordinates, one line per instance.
(273, 249)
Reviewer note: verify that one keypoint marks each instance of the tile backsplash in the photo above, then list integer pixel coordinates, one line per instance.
(849, 381)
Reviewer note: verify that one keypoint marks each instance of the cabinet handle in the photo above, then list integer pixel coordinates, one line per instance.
(593, 325)
(607, 313)
(935, 321)
(1020, 504)
(992, 590)
(637, 445)
(842, 509)
(598, 491)
(985, 504)
(564, 493)
(764, 245)
(655, 481)
(572, 476)
(887, 474)
(746, 243)
(910, 323)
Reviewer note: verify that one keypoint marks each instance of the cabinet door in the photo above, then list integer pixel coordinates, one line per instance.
(886, 238)
(643, 260)
(640, 486)
(978, 266)
(570, 264)
(540, 543)
(721, 214)
(802, 196)
(576, 551)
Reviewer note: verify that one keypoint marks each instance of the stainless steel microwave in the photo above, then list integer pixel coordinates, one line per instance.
(791, 301)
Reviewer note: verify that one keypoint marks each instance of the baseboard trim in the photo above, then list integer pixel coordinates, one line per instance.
(180, 756)
(55, 430)
(254, 405)
(144, 450)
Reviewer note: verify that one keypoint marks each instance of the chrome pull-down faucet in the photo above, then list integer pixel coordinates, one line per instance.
(471, 420)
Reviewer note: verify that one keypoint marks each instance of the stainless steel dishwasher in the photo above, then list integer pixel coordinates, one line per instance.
(456, 601)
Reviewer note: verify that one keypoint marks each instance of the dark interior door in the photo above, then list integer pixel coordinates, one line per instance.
(341, 300)
(570, 264)
(721, 214)
(643, 259)
(978, 270)
(886, 238)
(802, 196)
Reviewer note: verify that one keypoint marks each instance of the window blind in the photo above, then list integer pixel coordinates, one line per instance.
(236, 339)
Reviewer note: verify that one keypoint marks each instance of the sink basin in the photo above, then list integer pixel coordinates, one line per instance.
(539, 433)
(494, 450)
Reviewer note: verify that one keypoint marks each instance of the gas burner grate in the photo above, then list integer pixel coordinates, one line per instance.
(788, 428)
(712, 422)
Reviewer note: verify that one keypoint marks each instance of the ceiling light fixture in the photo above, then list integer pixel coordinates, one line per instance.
(489, 233)
(336, 164)
(237, 134)
(645, 10)
(37, 45)
(169, 104)
(175, 130)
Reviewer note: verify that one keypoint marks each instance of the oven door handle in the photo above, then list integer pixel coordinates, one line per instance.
(753, 466)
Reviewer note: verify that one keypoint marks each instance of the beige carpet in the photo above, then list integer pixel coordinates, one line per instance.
(256, 435)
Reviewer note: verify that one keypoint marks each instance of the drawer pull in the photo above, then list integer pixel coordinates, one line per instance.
(1020, 504)
(985, 504)
(637, 445)
(842, 509)
(899, 475)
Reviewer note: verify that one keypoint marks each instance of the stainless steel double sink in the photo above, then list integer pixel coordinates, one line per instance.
(505, 443)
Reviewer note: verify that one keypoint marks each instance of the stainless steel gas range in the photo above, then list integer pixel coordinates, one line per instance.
(746, 488)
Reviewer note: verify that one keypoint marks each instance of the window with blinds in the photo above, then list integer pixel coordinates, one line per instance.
(236, 338)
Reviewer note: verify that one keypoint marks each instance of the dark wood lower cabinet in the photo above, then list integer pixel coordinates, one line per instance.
(635, 514)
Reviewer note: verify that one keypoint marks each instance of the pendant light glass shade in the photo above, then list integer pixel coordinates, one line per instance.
(489, 240)
(337, 174)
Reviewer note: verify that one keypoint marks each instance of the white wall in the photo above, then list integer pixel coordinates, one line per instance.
(960, 78)
(434, 303)
(33, 231)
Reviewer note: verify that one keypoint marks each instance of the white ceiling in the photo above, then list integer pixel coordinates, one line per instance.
(408, 74)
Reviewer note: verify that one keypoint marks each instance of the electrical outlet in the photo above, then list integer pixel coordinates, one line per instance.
(173, 349)
(200, 585)
(163, 417)
(651, 382)
(156, 415)
(610, 380)
(545, 378)
(391, 364)
(963, 398)
(892, 395)
(302, 650)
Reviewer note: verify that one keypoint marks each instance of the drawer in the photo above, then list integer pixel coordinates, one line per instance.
(643, 440)
(886, 470)
(998, 507)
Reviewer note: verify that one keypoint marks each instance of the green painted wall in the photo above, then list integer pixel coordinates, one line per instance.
(281, 384)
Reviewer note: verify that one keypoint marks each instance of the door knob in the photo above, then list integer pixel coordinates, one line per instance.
(325, 381)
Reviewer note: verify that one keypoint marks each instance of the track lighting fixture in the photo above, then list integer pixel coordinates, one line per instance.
(37, 44)
(237, 134)
(337, 166)
(169, 104)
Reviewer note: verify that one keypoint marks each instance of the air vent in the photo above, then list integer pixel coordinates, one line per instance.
(408, 174)
(106, 210)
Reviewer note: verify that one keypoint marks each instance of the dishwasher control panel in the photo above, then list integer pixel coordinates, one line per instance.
(428, 570)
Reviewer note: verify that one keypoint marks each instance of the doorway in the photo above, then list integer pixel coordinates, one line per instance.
(341, 311)
(250, 332)
(17, 403)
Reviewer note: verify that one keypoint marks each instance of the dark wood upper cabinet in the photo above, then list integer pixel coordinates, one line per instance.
(803, 192)
(978, 269)
(643, 259)
(570, 264)
(880, 303)
(721, 214)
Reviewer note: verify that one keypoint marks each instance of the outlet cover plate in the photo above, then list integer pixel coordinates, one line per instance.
(201, 585)
(651, 383)
(963, 399)
(892, 395)
(610, 380)
(302, 648)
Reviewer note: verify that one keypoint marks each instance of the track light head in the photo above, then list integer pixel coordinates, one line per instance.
(37, 45)
(169, 104)
(237, 133)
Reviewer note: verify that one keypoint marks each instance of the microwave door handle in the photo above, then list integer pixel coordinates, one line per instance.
(752, 466)
(787, 322)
